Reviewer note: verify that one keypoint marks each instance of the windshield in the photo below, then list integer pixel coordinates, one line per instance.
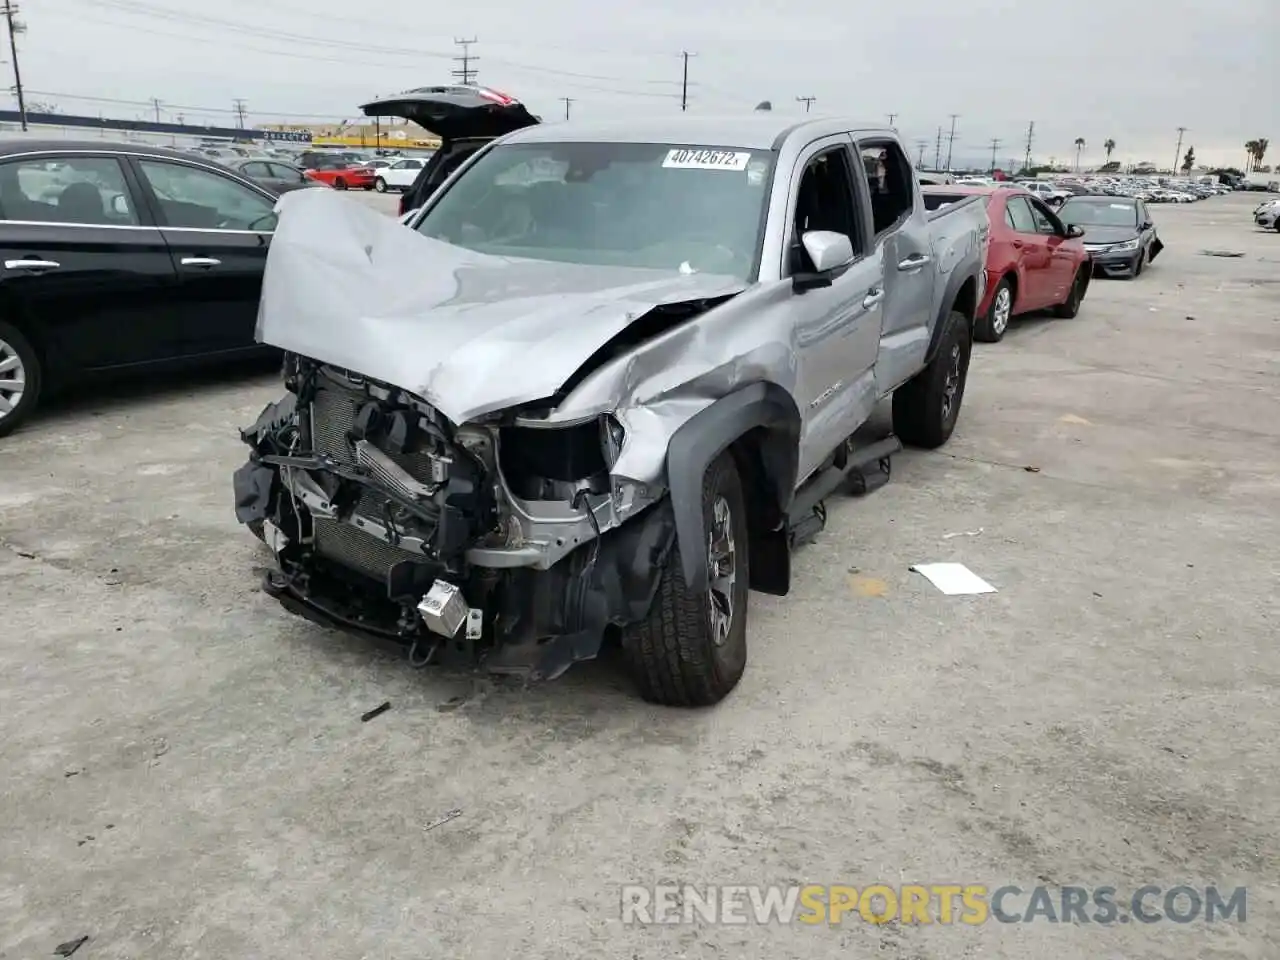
(1099, 213)
(692, 209)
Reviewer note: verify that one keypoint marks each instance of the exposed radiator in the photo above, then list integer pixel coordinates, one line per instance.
(333, 415)
(354, 548)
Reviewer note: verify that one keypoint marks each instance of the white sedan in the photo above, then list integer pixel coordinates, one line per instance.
(399, 175)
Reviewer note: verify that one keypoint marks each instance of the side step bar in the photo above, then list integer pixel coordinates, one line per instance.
(863, 470)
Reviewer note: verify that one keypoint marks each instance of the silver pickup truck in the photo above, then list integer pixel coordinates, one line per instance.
(600, 387)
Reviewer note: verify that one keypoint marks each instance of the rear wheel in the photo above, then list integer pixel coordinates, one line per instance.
(926, 407)
(991, 327)
(692, 649)
(1070, 307)
(380, 185)
(339, 184)
(20, 376)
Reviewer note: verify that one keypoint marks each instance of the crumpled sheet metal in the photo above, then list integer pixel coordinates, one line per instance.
(469, 333)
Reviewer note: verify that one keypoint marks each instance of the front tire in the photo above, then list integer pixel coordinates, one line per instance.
(339, 184)
(380, 185)
(692, 649)
(926, 407)
(20, 378)
(1140, 264)
(991, 327)
(1070, 308)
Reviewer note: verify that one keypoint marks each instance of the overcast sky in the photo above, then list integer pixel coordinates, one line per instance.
(1129, 70)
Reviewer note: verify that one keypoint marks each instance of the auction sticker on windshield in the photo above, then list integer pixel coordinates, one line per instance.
(684, 159)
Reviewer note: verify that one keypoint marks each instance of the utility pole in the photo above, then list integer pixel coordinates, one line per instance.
(1177, 152)
(684, 81)
(155, 103)
(995, 145)
(937, 151)
(920, 145)
(1031, 135)
(951, 140)
(16, 27)
(566, 101)
(239, 105)
(892, 117)
(466, 73)
(807, 101)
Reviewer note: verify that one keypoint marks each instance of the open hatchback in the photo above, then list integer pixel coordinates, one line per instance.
(465, 118)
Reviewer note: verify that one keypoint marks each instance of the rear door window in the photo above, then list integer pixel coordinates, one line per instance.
(72, 189)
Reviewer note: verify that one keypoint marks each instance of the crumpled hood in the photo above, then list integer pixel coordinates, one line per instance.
(468, 332)
(1103, 235)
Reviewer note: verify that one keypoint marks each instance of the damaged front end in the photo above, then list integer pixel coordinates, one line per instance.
(500, 542)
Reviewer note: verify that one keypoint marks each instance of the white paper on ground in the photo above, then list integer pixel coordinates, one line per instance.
(953, 579)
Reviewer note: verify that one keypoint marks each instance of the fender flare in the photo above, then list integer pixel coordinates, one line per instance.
(710, 432)
(952, 294)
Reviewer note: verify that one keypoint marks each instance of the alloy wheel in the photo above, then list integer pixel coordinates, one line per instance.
(1002, 310)
(722, 565)
(13, 379)
(952, 384)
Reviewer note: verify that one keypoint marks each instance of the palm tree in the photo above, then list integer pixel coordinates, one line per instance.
(1079, 147)
(1256, 149)
(1109, 146)
(1250, 148)
(1260, 150)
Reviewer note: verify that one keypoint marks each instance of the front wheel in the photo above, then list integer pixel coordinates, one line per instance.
(991, 326)
(692, 649)
(20, 375)
(1070, 307)
(926, 407)
(380, 185)
(339, 184)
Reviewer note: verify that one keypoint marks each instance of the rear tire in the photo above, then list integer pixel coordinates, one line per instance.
(692, 649)
(339, 184)
(991, 327)
(926, 407)
(20, 378)
(1070, 308)
(380, 185)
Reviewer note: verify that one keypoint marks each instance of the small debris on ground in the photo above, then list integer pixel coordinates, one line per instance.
(440, 821)
(953, 579)
(70, 947)
(453, 703)
(963, 533)
(377, 711)
(1031, 469)
(25, 555)
(1221, 253)
(868, 586)
(72, 773)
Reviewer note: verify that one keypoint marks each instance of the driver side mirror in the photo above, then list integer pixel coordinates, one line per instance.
(1145, 225)
(1074, 230)
(828, 251)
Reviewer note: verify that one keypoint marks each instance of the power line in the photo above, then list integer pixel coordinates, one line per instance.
(134, 8)
(567, 101)
(995, 145)
(465, 73)
(1177, 151)
(239, 108)
(155, 105)
(951, 140)
(937, 151)
(16, 27)
(684, 81)
(807, 101)
(892, 117)
(1031, 133)
(920, 145)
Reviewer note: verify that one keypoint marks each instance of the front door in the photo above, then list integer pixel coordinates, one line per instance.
(218, 230)
(82, 265)
(1036, 289)
(837, 328)
(1062, 262)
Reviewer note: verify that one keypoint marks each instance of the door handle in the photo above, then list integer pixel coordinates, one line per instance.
(913, 262)
(31, 265)
(205, 262)
(1018, 244)
(873, 297)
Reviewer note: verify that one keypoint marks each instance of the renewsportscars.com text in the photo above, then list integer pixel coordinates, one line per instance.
(968, 904)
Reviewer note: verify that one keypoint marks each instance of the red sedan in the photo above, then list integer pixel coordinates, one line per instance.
(343, 176)
(1035, 262)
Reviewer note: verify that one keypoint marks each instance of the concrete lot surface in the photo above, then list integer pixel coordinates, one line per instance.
(186, 773)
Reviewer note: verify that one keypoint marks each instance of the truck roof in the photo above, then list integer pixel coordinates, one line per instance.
(759, 131)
